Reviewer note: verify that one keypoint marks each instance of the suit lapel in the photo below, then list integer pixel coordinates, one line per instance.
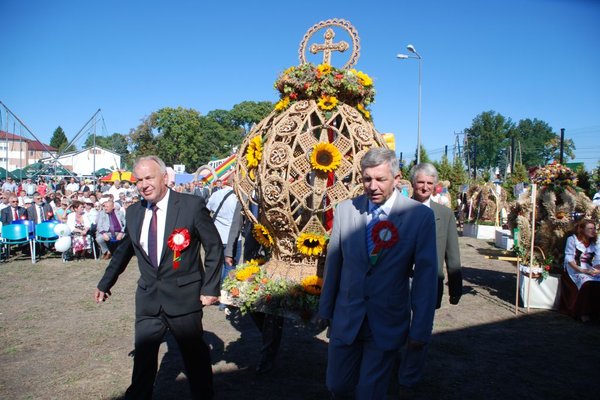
(395, 217)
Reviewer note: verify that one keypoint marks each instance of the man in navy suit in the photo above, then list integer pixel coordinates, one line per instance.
(171, 290)
(367, 298)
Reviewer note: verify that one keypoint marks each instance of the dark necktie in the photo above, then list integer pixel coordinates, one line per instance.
(42, 219)
(152, 239)
(16, 215)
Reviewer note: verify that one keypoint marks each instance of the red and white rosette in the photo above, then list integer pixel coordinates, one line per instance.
(178, 241)
(384, 235)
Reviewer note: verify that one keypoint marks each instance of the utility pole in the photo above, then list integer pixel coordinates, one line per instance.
(562, 144)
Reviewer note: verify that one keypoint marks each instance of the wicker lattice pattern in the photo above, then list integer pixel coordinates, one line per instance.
(292, 197)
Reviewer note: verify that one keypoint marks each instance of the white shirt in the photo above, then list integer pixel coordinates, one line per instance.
(226, 213)
(386, 208)
(161, 214)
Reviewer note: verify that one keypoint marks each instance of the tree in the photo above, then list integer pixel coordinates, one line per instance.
(248, 113)
(142, 140)
(552, 150)
(59, 140)
(115, 142)
(486, 139)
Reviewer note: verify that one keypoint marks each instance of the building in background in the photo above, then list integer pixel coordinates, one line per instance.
(19, 152)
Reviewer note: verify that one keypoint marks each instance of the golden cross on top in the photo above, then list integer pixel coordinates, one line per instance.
(329, 46)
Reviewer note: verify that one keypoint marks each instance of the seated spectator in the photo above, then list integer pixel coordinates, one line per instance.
(583, 270)
(110, 229)
(79, 226)
(39, 211)
(60, 214)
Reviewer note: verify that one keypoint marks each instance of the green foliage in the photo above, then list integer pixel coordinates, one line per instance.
(59, 140)
(248, 113)
(535, 138)
(487, 136)
(517, 176)
(584, 181)
(115, 142)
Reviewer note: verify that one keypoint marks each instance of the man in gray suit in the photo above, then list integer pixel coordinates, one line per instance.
(424, 178)
(367, 298)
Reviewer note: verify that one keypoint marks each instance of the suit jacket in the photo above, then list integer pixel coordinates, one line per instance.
(6, 215)
(354, 289)
(33, 215)
(447, 251)
(176, 291)
(103, 222)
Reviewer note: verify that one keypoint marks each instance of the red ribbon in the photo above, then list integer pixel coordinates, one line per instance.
(178, 241)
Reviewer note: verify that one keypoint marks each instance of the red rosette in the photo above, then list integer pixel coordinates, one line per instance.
(178, 241)
(384, 235)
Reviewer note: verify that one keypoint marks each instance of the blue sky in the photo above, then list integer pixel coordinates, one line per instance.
(63, 60)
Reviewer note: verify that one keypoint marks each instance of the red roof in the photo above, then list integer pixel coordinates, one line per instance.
(33, 145)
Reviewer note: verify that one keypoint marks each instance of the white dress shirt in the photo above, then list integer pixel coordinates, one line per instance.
(161, 214)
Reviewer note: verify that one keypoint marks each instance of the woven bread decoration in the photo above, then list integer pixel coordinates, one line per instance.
(303, 159)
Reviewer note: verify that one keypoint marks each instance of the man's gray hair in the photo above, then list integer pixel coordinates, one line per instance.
(379, 155)
(426, 169)
(156, 159)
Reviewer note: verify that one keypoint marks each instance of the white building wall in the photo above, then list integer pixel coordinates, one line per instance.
(82, 163)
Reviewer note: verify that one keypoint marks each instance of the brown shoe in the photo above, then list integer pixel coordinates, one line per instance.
(106, 256)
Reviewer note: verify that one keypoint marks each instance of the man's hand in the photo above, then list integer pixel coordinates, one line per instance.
(101, 296)
(208, 300)
(229, 261)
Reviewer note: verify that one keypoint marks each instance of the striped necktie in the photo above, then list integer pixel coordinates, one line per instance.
(375, 213)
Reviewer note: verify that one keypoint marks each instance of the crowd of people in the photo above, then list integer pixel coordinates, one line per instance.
(93, 211)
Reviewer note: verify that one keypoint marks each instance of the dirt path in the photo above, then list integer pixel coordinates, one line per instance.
(55, 343)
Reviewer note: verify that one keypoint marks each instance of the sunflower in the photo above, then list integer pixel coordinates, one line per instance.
(364, 111)
(324, 69)
(262, 235)
(282, 104)
(311, 244)
(327, 102)
(254, 152)
(364, 79)
(312, 285)
(247, 272)
(325, 157)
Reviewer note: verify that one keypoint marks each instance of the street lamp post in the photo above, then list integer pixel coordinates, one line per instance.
(417, 56)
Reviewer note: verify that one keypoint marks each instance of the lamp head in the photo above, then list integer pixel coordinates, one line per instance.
(402, 56)
(411, 48)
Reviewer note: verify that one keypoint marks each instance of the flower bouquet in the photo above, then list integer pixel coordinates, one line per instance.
(251, 289)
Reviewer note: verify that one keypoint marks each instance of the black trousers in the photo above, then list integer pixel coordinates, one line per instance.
(187, 331)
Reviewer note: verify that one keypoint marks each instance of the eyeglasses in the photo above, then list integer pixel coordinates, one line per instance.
(14, 201)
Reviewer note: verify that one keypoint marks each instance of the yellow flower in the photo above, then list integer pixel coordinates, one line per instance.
(282, 104)
(324, 69)
(262, 235)
(254, 152)
(289, 70)
(364, 78)
(327, 102)
(325, 157)
(312, 285)
(364, 111)
(247, 272)
(252, 174)
(311, 244)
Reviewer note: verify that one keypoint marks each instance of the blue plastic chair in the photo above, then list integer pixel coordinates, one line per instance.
(17, 234)
(44, 233)
(30, 226)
